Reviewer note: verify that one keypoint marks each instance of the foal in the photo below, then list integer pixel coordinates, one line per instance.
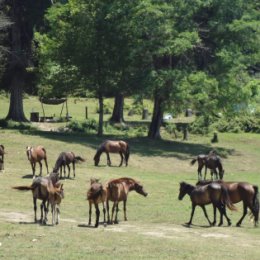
(95, 195)
(66, 158)
(117, 190)
(36, 154)
(43, 188)
(202, 195)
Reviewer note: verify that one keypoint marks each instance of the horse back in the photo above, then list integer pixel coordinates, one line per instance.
(115, 146)
(117, 191)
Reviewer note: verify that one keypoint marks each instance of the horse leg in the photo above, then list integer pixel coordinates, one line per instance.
(192, 213)
(199, 172)
(108, 159)
(225, 214)
(73, 167)
(97, 214)
(108, 216)
(89, 213)
(33, 169)
(116, 219)
(125, 210)
(122, 158)
(53, 208)
(44, 221)
(206, 215)
(40, 168)
(205, 174)
(35, 209)
(58, 214)
(46, 164)
(42, 206)
(64, 170)
(113, 210)
(68, 170)
(244, 214)
(104, 212)
(214, 213)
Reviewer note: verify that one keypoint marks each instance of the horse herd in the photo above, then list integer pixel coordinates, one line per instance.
(217, 192)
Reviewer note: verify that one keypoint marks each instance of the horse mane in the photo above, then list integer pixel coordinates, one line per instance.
(124, 179)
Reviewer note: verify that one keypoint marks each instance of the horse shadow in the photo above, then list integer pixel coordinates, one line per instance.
(90, 226)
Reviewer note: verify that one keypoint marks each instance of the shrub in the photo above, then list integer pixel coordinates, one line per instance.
(87, 126)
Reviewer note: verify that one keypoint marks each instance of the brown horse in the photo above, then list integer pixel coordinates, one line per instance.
(108, 146)
(95, 195)
(242, 191)
(45, 189)
(211, 161)
(117, 190)
(202, 195)
(2, 153)
(36, 154)
(65, 159)
(55, 198)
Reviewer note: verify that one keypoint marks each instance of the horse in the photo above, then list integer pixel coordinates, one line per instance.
(66, 158)
(109, 146)
(202, 195)
(95, 195)
(117, 190)
(241, 191)
(36, 154)
(211, 161)
(45, 189)
(55, 201)
(2, 153)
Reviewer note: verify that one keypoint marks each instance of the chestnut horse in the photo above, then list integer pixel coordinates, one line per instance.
(117, 190)
(66, 158)
(2, 153)
(95, 195)
(202, 195)
(45, 189)
(242, 191)
(36, 154)
(211, 161)
(109, 146)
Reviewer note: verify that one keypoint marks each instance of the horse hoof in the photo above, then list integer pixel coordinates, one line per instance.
(238, 224)
(220, 224)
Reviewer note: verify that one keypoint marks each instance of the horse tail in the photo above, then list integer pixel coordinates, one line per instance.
(127, 153)
(78, 158)
(256, 204)
(23, 188)
(45, 152)
(226, 199)
(193, 161)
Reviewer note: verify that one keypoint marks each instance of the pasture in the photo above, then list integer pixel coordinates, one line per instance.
(155, 227)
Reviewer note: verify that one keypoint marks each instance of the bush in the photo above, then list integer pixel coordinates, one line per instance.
(16, 125)
(87, 126)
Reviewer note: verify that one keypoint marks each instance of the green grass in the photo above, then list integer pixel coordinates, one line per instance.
(154, 229)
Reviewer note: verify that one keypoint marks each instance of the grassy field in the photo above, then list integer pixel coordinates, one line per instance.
(155, 228)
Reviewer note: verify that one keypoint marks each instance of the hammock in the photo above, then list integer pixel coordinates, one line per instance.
(53, 101)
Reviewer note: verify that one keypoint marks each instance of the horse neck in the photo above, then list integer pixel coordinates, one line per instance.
(189, 189)
(99, 151)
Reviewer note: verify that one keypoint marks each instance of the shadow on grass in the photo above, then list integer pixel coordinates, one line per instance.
(143, 146)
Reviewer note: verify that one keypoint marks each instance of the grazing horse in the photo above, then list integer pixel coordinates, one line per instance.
(108, 146)
(36, 154)
(202, 195)
(95, 195)
(117, 190)
(66, 158)
(2, 153)
(45, 189)
(241, 191)
(211, 161)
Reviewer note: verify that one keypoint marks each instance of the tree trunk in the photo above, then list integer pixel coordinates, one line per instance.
(17, 66)
(118, 111)
(154, 130)
(101, 113)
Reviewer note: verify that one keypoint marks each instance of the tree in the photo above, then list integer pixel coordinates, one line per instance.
(24, 16)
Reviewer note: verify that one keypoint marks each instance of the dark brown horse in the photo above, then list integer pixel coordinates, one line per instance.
(43, 188)
(37, 154)
(65, 159)
(211, 161)
(95, 195)
(202, 195)
(242, 191)
(2, 153)
(108, 146)
(117, 190)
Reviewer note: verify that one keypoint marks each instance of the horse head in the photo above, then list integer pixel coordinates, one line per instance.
(97, 158)
(140, 189)
(29, 152)
(183, 190)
